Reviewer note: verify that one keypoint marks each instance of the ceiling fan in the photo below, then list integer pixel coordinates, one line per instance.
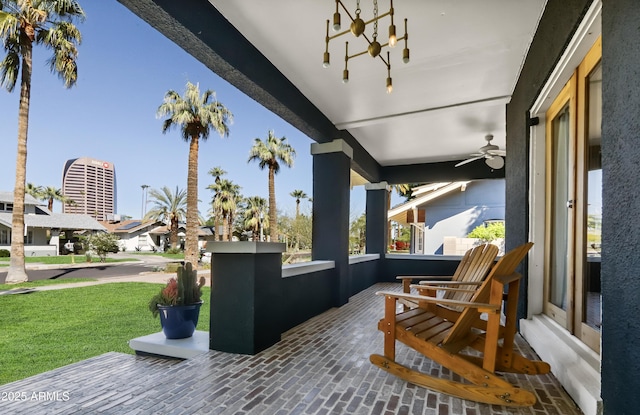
(490, 152)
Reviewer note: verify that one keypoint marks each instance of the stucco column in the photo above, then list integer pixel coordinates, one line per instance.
(377, 223)
(246, 290)
(620, 207)
(331, 192)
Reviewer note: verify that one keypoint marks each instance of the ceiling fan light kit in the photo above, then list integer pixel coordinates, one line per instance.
(357, 28)
(494, 157)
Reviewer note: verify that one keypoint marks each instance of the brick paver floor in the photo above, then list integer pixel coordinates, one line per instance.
(319, 367)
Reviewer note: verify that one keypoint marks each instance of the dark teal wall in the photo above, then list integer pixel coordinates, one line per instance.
(557, 25)
(620, 206)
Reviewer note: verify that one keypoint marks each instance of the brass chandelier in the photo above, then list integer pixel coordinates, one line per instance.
(357, 28)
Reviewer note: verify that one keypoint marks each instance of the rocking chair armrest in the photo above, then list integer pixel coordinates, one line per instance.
(435, 278)
(482, 307)
(452, 289)
(439, 283)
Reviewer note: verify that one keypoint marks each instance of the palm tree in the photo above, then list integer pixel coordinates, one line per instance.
(195, 115)
(298, 194)
(33, 190)
(217, 172)
(170, 208)
(23, 24)
(50, 194)
(269, 154)
(225, 203)
(255, 217)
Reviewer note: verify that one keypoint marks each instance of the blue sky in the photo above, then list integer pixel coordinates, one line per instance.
(125, 68)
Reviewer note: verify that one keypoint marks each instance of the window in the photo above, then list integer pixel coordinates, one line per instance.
(5, 237)
(28, 238)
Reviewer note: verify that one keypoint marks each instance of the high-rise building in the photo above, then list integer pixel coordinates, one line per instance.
(91, 185)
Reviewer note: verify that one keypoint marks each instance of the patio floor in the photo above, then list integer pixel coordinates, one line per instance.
(319, 367)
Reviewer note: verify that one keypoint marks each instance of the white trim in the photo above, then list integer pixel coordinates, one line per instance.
(575, 365)
(218, 247)
(356, 259)
(292, 270)
(586, 34)
(336, 146)
(377, 186)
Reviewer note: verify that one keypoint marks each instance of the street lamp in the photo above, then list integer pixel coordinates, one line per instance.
(144, 199)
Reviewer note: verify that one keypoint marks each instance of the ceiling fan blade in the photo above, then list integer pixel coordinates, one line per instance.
(469, 160)
(497, 152)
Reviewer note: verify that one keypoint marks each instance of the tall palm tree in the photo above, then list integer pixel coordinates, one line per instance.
(170, 208)
(216, 172)
(255, 215)
(50, 194)
(270, 153)
(195, 115)
(23, 24)
(225, 203)
(33, 190)
(298, 194)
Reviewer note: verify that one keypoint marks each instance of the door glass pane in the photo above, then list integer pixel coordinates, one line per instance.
(591, 285)
(560, 215)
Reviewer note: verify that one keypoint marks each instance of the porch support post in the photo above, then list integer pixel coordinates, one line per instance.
(377, 223)
(246, 296)
(620, 207)
(331, 193)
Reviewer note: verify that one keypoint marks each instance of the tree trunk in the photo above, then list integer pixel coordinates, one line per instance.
(273, 214)
(191, 242)
(230, 225)
(297, 207)
(225, 228)
(50, 204)
(173, 233)
(17, 272)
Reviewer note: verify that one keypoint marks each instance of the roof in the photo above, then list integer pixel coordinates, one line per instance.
(56, 220)
(423, 195)
(128, 226)
(7, 197)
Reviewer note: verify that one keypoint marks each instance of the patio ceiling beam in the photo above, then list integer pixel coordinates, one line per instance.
(201, 30)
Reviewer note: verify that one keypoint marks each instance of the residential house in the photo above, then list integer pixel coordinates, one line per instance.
(440, 215)
(136, 234)
(42, 227)
(555, 82)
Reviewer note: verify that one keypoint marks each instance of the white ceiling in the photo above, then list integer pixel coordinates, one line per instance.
(465, 59)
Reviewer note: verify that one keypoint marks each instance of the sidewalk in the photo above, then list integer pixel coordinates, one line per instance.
(150, 277)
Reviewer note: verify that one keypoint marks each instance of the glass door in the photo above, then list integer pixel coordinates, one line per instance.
(588, 300)
(574, 203)
(560, 210)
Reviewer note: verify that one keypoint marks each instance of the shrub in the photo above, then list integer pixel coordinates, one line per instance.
(489, 232)
(101, 243)
(4, 253)
(173, 251)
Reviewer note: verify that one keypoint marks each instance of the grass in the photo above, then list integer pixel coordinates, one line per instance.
(62, 259)
(45, 330)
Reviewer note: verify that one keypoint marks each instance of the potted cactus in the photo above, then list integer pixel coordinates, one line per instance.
(178, 303)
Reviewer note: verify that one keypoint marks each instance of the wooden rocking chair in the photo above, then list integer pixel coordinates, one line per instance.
(471, 270)
(442, 335)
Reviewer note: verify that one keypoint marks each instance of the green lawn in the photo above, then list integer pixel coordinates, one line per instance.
(45, 330)
(62, 259)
